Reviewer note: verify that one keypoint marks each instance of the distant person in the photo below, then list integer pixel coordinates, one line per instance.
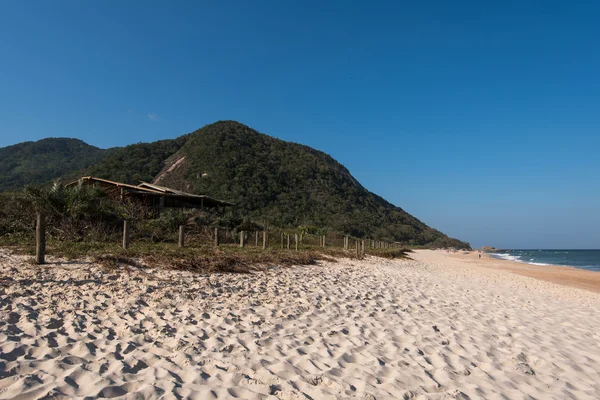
(480, 256)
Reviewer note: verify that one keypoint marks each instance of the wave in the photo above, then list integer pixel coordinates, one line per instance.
(510, 257)
(588, 260)
(506, 256)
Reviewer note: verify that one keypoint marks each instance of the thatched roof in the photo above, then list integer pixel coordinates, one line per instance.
(172, 198)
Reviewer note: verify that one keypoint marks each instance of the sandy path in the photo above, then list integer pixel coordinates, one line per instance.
(372, 329)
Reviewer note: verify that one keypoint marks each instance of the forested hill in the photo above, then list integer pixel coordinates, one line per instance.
(287, 184)
(271, 181)
(136, 162)
(35, 163)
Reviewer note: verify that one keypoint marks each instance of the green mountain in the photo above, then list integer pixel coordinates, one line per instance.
(36, 163)
(287, 184)
(271, 181)
(136, 162)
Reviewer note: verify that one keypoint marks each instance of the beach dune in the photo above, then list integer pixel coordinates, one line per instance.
(436, 327)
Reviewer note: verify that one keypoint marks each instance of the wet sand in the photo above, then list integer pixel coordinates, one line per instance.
(562, 275)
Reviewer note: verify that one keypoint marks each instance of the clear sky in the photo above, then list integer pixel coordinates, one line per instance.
(480, 118)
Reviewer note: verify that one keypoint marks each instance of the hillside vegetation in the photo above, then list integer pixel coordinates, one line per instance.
(136, 162)
(36, 163)
(287, 184)
(272, 182)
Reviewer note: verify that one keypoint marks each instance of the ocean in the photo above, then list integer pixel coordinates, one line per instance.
(583, 259)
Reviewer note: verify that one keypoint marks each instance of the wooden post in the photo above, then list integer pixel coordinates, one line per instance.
(125, 234)
(288, 241)
(323, 240)
(216, 237)
(282, 239)
(363, 248)
(242, 233)
(256, 235)
(357, 252)
(181, 235)
(265, 239)
(296, 240)
(40, 239)
(161, 204)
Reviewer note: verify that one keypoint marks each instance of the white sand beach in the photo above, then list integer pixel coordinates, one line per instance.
(436, 327)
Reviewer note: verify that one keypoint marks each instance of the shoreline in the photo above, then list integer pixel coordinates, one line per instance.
(558, 274)
(493, 254)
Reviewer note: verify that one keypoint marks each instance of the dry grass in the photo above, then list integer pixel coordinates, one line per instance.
(201, 258)
(233, 260)
(389, 253)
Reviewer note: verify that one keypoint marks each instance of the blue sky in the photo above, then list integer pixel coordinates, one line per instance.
(480, 118)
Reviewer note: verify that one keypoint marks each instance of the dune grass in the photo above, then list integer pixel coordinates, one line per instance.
(199, 258)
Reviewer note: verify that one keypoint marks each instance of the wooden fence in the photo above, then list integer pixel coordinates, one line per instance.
(193, 236)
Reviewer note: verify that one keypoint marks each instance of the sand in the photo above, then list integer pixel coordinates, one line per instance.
(436, 327)
(562, 275)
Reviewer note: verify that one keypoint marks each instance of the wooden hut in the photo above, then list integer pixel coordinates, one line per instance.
(153, 196)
